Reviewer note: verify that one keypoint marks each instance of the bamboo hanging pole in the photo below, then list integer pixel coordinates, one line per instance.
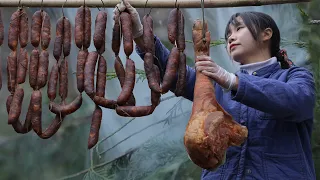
(151, 3)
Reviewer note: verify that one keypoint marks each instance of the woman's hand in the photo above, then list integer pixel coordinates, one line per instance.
(137, 28)
(206, 66)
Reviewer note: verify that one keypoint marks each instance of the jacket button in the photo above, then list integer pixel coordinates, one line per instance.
(254, 73)
(248, 171)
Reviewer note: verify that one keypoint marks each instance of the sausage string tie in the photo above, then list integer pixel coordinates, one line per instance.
(203, 26)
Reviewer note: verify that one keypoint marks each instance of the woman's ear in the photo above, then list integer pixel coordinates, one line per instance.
(266, 34)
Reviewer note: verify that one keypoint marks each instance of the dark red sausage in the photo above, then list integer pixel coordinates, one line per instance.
(172, 25)
(79, 27)
(43, 65)
(16, 105)
(126, 28)
(81, 61)
(134, 111)
(12, 71)
(66, 37)
(148, 37)
(36, 25)
(171, 70)
(102, 49)
(57, 46)
(181, 44)
(33, 68)
(53, 82)
(63, 79)
(13, 31)
(120, 71)
(150, 73)
(106, 103)
(89, 70)
(68, 108)
(1, 29)
(17, 126)
(95, 127)
(22, 66)
(101, 77)
(116, 37)
(24, 29)
(182, 73)
(53, 127)
(87, 28)
(8, 102)
(99, 35)
(45, 31)
(36, 99)
(155, 96)
(128, 84)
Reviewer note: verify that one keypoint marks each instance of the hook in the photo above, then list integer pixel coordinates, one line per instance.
(19, 5)
(118, 7)
(145, 6)
(41, 5)
(104, 8)
(175, 5)
(63, 6)
(150, 11)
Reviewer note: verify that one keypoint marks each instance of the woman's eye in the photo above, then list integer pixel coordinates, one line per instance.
(238, 28)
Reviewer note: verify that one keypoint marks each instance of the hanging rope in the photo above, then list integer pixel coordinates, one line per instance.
(203, 23)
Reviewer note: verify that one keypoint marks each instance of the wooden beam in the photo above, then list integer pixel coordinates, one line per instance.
(141, 3)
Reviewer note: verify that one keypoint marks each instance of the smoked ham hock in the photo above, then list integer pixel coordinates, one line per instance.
(210, 130)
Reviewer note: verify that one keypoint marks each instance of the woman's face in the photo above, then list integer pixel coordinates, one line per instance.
(240, 42)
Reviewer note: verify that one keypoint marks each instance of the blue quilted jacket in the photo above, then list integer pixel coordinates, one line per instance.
(276, 105)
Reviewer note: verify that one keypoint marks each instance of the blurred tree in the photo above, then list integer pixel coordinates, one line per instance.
(310, 33)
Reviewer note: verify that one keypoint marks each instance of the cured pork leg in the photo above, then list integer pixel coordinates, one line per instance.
(210, 130)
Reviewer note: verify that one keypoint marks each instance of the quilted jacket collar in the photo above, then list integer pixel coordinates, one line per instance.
(264, 68)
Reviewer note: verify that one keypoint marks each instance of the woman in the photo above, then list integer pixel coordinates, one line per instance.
(268, 95)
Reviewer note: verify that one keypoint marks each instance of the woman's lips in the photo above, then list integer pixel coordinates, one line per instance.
(233, 45)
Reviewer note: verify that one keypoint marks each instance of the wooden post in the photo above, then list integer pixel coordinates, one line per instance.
(141, 3)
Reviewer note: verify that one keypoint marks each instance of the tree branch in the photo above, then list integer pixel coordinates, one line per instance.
(164, 120)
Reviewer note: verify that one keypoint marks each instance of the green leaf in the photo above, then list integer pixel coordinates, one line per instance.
(190, 61)
(167, 44)
(303, 14)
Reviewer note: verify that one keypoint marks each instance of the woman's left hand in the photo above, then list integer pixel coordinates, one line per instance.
(206, 66)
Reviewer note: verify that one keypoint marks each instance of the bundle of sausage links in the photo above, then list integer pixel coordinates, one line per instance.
(152, 71)
(59, 71)
(177, 58)
(86, 65)
(124, 105)
(17, 65)
(90, 61)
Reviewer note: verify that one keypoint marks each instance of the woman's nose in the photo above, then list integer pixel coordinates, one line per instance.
(231, 39)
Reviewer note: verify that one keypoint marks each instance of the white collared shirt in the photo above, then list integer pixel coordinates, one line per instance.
(250, 68)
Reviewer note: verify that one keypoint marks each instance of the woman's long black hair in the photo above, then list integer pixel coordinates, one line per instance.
(257, 22)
